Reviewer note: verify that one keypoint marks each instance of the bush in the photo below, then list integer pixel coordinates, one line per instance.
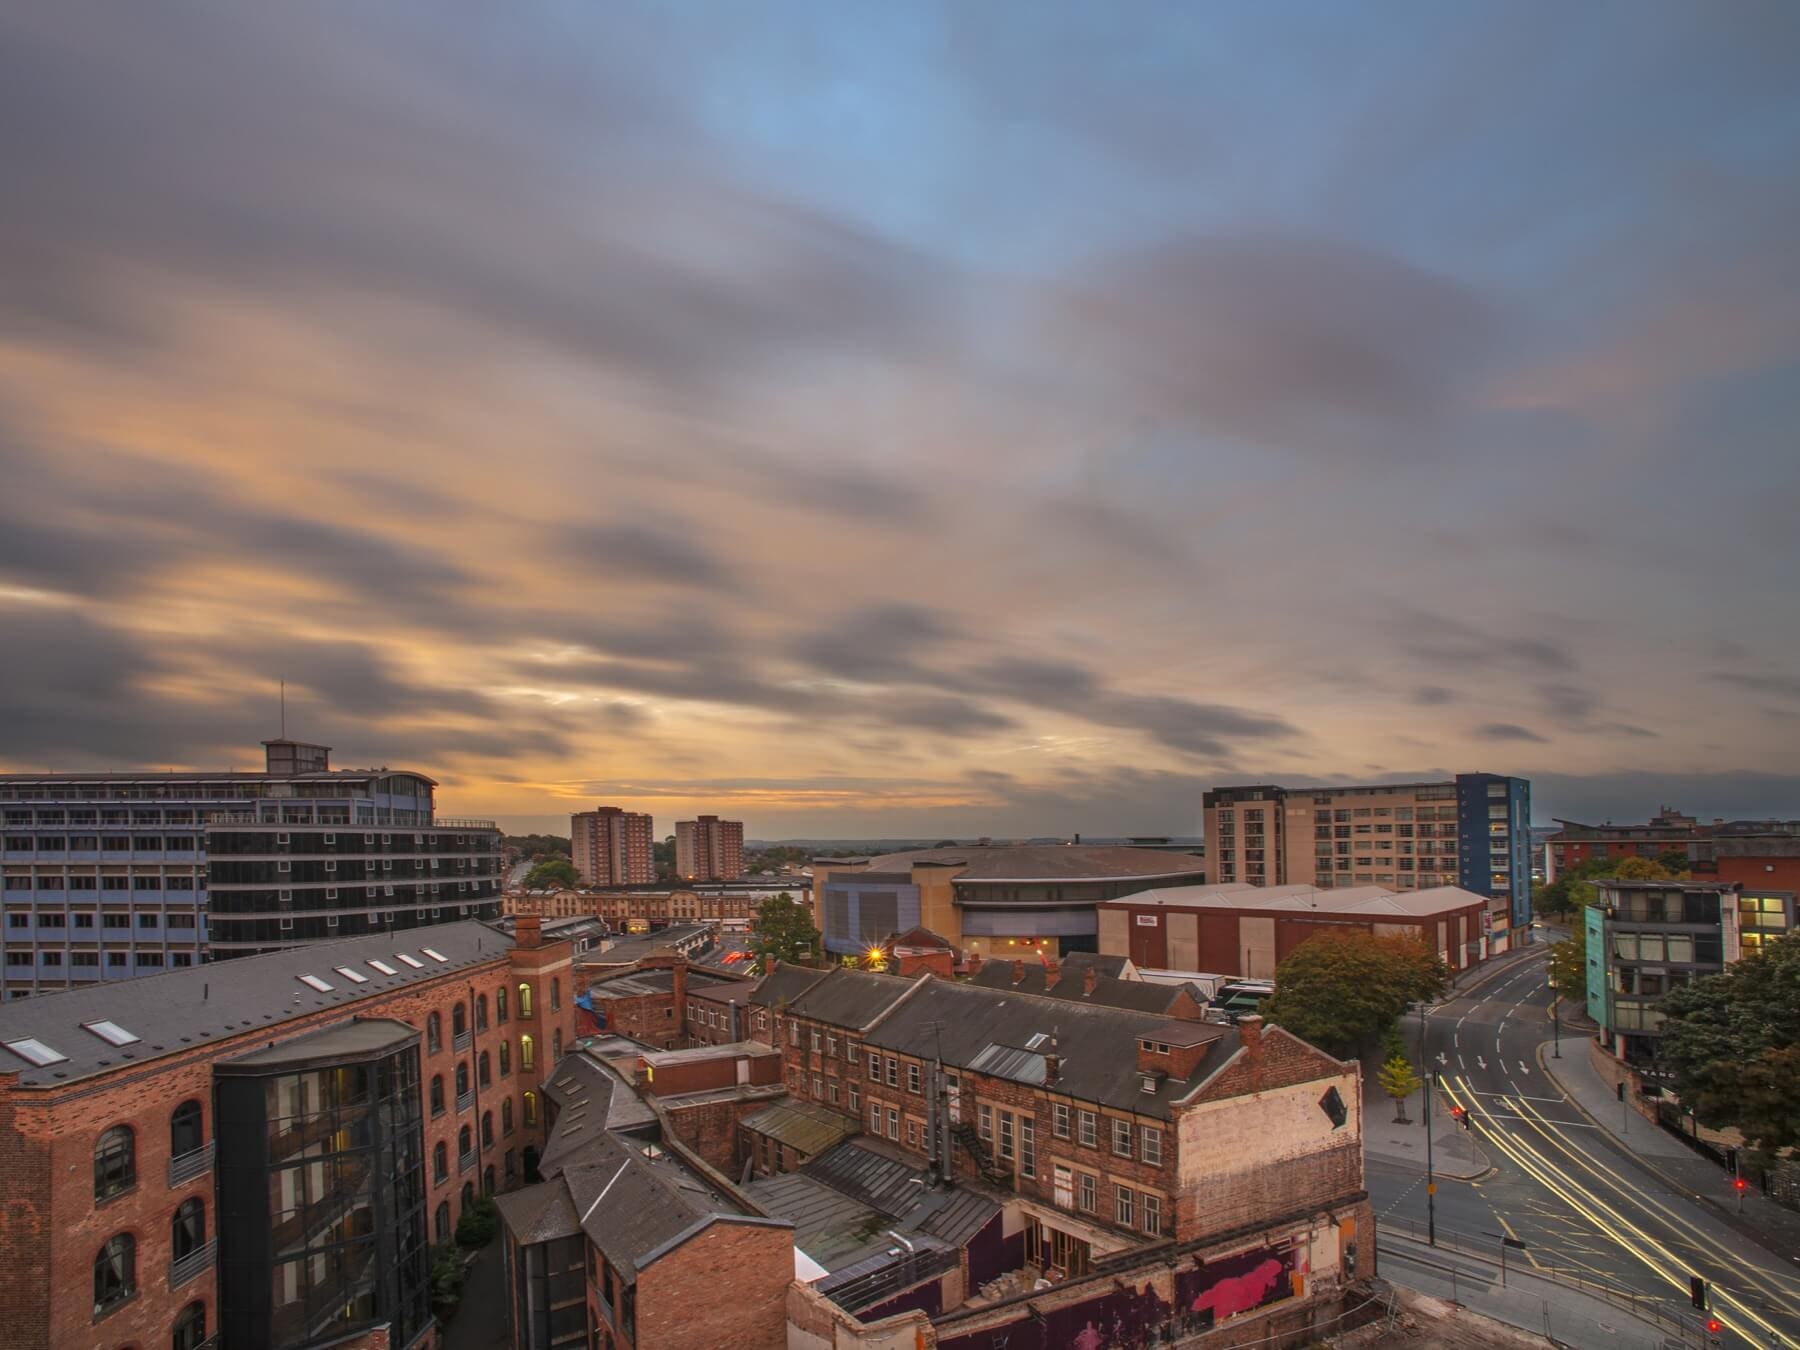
(478, 1224)
(446, 1279)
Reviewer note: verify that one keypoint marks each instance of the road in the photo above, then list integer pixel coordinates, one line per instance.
(1564, 1187)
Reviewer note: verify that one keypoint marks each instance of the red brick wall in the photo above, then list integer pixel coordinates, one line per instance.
(726, 1286)
(645, 1017)
(51, 1229)
(711, 1130)
(1753, 876)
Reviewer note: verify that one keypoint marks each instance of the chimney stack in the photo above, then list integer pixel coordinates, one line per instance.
(1249, 1030)
(528, 931)
(1089, 978)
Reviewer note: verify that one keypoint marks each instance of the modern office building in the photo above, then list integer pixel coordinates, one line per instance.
(613, 846)
(709, 849)
(262, 1152)
(110, 876)
(993, 900)
(1472, 831)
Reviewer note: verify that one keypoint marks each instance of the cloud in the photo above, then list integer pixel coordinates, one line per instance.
(1433, 695)
(1507, 731)
(1777, 686)
(643, 552)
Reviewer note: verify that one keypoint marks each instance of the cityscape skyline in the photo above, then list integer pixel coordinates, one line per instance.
(924, 423)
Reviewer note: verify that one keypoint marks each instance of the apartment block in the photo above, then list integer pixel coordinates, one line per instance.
(1575, 843)
(612, 846)
(111, 876)
(709, 849)
(1472, 832)
(263, 1152)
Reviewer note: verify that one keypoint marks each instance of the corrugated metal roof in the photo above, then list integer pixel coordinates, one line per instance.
(803, 1126)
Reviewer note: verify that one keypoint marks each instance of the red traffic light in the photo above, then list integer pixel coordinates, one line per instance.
(1457, 1111)
(1740, 1185)
(1714, 1325)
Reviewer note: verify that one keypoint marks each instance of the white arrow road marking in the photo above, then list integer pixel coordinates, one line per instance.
(1480, 1061)
(1444, 1060)
(1523, 1069)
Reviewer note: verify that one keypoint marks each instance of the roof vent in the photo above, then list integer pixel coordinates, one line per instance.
(1151, 1081)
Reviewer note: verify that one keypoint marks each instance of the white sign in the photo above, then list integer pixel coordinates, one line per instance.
(1147, 920)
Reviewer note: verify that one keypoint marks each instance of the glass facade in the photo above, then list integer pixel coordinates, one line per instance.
(321, 1192)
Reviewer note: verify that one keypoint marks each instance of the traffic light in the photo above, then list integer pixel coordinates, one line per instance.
(1462, 1117)
(1739, 1185)
(1714, 1326)
(1697, 1292)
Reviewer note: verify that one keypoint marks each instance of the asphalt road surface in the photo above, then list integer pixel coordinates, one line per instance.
(1579, 1202)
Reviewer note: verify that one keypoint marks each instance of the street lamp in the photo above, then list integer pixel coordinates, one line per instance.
(1555, 1020)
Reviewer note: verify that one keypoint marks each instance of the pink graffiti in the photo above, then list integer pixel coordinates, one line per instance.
(1088, 1338)
(1240, 1293)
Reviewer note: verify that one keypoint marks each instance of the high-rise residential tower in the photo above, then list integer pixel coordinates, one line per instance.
(612, 846)
(1473, 831)
(108, 876)
(709, 849)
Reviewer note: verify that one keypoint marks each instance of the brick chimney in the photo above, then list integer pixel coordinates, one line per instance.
(1052, 1068)
(1089, 978)
(1250, 1032)
(974, 964)
(1052, 974)
(528, 931)
(680, 991)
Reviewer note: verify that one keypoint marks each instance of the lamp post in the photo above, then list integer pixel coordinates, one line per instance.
(1430, 1178)
(1556, 1027)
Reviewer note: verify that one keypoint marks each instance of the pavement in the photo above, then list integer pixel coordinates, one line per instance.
(1522, 1299)
(1454, 1152)
(480, 1320)
(1657, 1150)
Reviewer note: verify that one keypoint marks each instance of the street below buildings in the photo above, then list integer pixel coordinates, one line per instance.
(1567, 1192)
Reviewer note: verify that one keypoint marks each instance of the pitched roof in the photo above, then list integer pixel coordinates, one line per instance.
(539, 1213)
(1109, 992)
(784, 984)
(179, 1010)
(806, 1127)
(851, 998)
(1096, 1046)
(634, 1206)
(591, 1100)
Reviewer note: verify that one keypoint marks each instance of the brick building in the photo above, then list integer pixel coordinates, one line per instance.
(640, 909)
(611, 846)
(665, 1002)
(1575, 844)
(1246, 931)
(709, 849)
(170, 1141)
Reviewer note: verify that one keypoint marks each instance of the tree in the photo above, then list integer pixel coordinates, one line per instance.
(1342, 990)
(782, 931)
(1731, 1043)
(536, 845)
(1568, 964)
(552, 872)
(1398, 1080)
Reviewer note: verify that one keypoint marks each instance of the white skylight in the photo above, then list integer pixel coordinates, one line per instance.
(314, 982)
(112, 1033)
(435, 956)
(412, 961)
(383, 967)
(354, 977)
(35, 1051)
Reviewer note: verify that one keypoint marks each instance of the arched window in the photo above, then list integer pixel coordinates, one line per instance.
(440, 1222)
(487, 1129)
(190, 1328)
(459, 1020)
(437, 1094)
(556, 1043)
(440, 1162)
(187, 1231)
(555, 994)
(500, 1004)
(487, 1180)
(526, 1057)
(465, 1142)
(524, 999)
(115, 1272)
(434, 1034)
(481, 1012)
(468, 1196)
(115, 1162)
(484, 1069)
(531, 1108)
(462, 1082)
(505, 1058)
(506, 1115)
(187, 1131)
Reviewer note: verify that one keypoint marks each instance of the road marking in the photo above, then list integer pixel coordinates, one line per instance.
(1455, 1040)
(1459, 1063)
(1523, 1069)
(1482, 1063)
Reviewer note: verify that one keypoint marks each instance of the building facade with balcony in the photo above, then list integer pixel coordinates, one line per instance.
(105, 877)
(1473, 831)
(266, 1148)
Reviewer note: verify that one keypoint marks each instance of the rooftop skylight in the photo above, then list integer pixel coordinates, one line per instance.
(112, 1033)
(383, 967)
(314, 982)
(412, 961)
(435, 956)
(355, 977)
(35, 1051)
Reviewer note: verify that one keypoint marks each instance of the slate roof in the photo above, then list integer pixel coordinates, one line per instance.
(591, 1100)
(1046, 862)
(358, 1036)
(539, 1213)
(634, 1207)
(784, 985)
(180, 1010)
(635, 982)
(999, 975)
(851, 998)
(1096, 1046)
(1138, 995)
(806, 1127)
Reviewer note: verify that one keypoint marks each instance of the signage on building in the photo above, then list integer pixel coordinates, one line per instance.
(1148, 920)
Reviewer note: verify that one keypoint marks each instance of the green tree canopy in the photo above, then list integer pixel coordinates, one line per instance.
(1398, 1080)
(783, 931)
(553, 872)
(531, 845)
(1732, 1045)
(1575, 887)
(1343, 990)
(1568, 965)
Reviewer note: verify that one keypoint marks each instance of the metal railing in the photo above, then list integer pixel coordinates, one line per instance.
(462, 1040)
(464, 1100)
(192, 1164)
(464, 1161)
(184, 1268)
(1647, 1307)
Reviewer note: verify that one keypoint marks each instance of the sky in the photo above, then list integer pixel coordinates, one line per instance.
(870, 419)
